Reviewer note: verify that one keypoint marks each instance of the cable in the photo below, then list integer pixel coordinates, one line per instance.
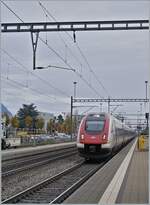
(87, 110)
(34, 90)
(76, 72)
(23, 65)
(79, 75)
(12, 11)
(26, 69)
(17, 84)
(22, 85)
(81, 52)
(47, 12)
(44, 9)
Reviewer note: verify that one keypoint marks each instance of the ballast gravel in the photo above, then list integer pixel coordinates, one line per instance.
(14, 184)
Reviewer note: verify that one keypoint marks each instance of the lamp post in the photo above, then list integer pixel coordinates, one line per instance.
(146, 88)
(75, 83)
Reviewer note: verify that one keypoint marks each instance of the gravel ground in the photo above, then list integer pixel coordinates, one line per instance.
(16, 183)
(26, 161)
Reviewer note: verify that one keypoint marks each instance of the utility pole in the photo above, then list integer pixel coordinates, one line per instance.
(75, 83)
(75, 117)
(146, 113)
(108, 104)
(140, 112)
(146, 88)
(71, 115)
(101, 107)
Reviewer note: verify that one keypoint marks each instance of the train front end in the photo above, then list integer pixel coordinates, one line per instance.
(93, 134)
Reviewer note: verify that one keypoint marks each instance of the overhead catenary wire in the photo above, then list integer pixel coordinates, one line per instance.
(32, 89)
(66, 46)
(87, 110)
(78, 47)
(76, 72)
(60, 91)
(24, 86)
(79, 75)
(11, 10)
(23, 67)
(101, 84)
(58, 55)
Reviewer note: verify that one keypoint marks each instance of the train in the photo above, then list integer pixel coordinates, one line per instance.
(101, 134)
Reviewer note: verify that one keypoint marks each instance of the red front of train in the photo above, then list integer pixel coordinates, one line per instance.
(93, 133)
(100, 134)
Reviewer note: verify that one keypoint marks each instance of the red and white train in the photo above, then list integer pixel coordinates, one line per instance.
(101, 134)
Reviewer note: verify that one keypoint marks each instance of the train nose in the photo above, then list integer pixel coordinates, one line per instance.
(93, 139)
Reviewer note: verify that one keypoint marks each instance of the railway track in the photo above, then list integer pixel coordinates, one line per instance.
(57, 188)
(35, 161)
(34, 155)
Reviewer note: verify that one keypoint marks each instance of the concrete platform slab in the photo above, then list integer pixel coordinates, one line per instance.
(92, 190)
(135, 188)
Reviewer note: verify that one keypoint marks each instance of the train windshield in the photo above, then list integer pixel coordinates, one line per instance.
(95, 124)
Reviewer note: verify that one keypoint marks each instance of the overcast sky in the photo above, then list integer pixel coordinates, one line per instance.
(118, 58)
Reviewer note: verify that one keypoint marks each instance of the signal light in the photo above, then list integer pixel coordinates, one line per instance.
(82, 137)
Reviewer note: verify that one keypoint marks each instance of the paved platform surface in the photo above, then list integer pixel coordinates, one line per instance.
(134, 188)
(12, 153)
(92, 190)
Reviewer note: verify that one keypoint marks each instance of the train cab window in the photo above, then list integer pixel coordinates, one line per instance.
(94, 125)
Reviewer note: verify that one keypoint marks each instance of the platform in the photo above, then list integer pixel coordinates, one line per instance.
(13, 153)
(134, 188)
(124, 179)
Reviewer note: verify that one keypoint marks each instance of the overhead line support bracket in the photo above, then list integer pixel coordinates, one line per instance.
(34, 46)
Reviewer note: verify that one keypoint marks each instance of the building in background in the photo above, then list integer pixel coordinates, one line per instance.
(46, 116)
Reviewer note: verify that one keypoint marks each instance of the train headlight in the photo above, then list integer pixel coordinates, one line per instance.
(82, 137)
(104, 137)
